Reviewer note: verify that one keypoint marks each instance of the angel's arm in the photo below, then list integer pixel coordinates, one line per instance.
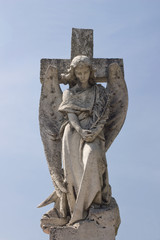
(73, 119)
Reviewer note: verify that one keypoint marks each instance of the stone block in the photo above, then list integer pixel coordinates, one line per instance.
(101, 224)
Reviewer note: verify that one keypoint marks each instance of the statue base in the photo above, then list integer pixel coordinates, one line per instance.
(101, 223)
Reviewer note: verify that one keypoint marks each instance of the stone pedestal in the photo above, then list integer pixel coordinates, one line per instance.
(101, 224)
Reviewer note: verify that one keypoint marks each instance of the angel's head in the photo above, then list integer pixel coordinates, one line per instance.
(80, 70)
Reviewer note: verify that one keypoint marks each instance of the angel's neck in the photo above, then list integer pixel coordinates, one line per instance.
(84, 85)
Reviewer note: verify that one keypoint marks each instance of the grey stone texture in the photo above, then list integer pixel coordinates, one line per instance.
(101, 224)
(100, 64)
(82, 42)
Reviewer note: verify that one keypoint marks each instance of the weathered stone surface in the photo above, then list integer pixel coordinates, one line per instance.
(101, 224)
(82, 42)
(100, 64)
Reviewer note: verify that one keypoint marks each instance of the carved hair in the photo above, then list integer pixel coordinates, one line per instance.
(81, 60)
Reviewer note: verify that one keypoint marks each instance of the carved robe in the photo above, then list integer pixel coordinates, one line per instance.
(85, 167)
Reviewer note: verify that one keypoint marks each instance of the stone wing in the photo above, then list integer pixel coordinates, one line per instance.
(117, 90)
(50, 122)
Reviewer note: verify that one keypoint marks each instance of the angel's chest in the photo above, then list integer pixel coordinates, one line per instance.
(84, 100)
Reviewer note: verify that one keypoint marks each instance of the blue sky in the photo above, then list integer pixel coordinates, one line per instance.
(31, 30)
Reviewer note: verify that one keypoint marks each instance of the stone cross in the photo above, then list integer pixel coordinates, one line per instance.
(81, 44)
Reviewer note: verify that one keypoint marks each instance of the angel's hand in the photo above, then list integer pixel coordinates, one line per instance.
(84, 133)
(64, 78)
(88, 135)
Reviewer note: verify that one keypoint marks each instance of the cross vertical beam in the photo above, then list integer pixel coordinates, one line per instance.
(82, 42)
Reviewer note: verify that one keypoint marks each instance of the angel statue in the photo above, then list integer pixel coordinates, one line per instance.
(77, 128)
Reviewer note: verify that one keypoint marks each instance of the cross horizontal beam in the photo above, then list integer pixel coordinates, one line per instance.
(101, 65)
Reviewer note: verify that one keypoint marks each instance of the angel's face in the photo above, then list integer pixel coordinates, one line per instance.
(82, 72)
